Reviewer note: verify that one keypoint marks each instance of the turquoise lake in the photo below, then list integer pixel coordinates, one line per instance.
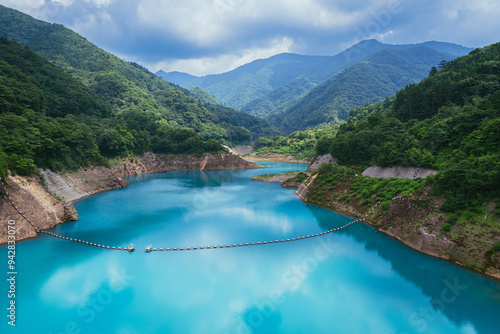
(353, 281)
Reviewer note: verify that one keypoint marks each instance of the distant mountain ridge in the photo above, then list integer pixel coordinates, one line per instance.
(240, 86)
(258, 87)
(379, 76)
(178, 78)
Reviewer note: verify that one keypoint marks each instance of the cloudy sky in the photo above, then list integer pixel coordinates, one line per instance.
(213, 36)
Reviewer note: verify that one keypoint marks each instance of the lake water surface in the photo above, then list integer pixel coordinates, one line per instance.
(353, 281)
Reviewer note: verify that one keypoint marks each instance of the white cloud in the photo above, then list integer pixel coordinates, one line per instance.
(195, 21)
(99, 3)
(455, 21)
(96, 23)
(23, 5)
(218, 35)
(211, 23)
(226, 62)
(64, 3)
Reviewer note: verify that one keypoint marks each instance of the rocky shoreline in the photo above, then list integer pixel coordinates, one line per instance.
(417, 222)
(48, 199)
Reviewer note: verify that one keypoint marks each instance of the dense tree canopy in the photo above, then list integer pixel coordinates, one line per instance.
(50, 120)
(449, 121)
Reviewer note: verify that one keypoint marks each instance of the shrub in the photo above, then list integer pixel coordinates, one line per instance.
(452, 218)
(302, 177)
(345, 197)
(446, 227)
(495, 248)
(367, 202)
(325, 168)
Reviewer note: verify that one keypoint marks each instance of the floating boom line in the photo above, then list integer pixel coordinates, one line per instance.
(176, 249)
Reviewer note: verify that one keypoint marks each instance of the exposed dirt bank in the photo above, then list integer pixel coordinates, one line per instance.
(36, 203)
(276, 157)
(47, 201)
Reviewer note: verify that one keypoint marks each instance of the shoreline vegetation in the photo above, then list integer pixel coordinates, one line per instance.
(47, 198)
(407, 212)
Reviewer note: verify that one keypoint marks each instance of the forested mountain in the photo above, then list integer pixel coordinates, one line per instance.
(178, 78)
(246, 83)
(258, 127)
(28, 82)
(373, 79)
(48, 119)
(272, 85)
(449, 121)
(288, 95)
(130, 91)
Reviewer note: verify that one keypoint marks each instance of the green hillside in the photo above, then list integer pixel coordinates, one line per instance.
(272, 85)
(129, 90)
(449, 121)
(178, 78)
(48, 119)
(377, 77)
(29, 82)
(246, 83)
(254, 126)
(281, 99)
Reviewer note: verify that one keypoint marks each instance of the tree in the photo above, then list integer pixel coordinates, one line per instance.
(442, 64)
(13, 161)
(26, 166)
(433, 70)
(4, 164)
(323, 144)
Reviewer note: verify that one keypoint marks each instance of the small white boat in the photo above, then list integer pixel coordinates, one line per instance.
(131, 248)
(149, 248)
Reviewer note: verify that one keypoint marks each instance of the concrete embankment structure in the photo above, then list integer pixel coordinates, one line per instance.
(399, 172)
(322, 159)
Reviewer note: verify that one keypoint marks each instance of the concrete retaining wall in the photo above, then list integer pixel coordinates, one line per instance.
(399, 172)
